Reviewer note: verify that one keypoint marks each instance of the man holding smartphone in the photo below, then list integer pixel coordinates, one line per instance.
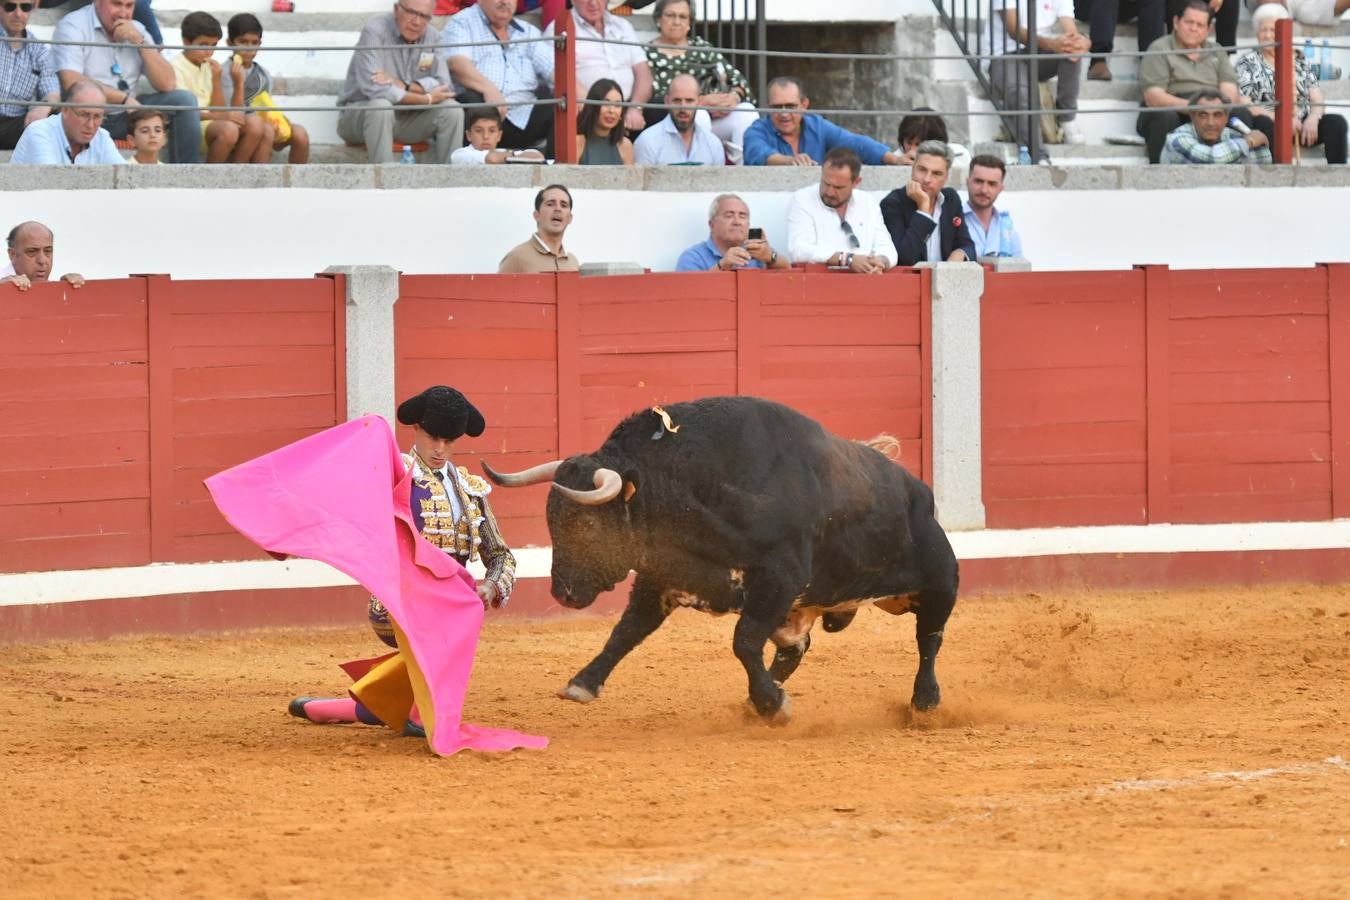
(731, 243)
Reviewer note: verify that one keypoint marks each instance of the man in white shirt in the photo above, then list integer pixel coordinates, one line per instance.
(74, 138)
(1056, 32)
(626, 63)
(679, 138)
(837, 224)
(30, 257)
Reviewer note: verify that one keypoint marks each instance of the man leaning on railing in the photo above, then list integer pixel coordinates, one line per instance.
(791, 137)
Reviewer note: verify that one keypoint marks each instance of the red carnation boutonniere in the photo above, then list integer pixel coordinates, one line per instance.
(956, 221)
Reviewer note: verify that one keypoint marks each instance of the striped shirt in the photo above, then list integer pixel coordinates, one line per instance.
(28, 73)
(516, 69)
(1185, 147)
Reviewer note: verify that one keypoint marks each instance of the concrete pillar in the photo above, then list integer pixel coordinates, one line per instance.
(372, 292)
(957, 480)
(1007, 263)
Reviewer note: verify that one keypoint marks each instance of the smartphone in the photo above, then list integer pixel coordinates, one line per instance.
(756, 234)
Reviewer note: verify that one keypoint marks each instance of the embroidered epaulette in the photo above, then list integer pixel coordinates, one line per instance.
(407, 460)
(474, 485)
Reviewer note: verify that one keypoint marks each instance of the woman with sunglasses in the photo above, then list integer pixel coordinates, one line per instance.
(29, 74)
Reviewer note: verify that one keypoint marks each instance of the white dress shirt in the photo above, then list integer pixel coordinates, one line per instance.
(815, 232)
(663, 145)
(933, 246)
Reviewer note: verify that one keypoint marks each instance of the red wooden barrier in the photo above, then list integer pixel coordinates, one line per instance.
(120, 397)
(1164, 396)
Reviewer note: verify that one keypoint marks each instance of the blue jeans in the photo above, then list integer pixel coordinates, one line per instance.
(185, 123)
(143, 14)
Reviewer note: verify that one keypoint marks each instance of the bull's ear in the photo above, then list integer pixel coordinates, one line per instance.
(630, 484)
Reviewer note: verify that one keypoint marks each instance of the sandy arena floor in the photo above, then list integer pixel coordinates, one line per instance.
(1146, 744)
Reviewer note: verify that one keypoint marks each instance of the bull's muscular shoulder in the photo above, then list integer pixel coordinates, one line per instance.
(474, 485)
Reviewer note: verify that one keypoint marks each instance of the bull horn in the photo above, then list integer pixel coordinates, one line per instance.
(608, 483)
(534, 475)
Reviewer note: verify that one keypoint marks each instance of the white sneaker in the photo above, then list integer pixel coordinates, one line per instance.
(1071, 132)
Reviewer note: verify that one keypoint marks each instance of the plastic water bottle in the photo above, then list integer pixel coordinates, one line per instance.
(1005, 233)
(1324, 70)
(1308, 53)
(408, 158)
(1023, 155)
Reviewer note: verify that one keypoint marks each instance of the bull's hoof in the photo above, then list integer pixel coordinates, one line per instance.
(775, 718)
(927, 699)
(577, 693)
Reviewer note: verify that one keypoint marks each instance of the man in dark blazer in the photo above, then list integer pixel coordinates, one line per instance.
(925, 219)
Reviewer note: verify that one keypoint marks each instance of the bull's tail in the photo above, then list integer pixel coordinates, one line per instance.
(885, 444)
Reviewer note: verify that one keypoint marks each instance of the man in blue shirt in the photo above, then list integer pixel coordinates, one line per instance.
(789, 137)
(729, 245)
(984, 221)
(74, 138)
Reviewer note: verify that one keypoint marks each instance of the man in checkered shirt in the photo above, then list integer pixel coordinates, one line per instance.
(27, 73)
(505, 73)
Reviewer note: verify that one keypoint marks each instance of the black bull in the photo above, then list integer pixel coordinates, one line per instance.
(743, 505)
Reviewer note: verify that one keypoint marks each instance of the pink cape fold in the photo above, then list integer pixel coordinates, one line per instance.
(342, 497)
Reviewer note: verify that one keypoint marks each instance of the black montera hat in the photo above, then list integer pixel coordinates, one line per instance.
(443, 412)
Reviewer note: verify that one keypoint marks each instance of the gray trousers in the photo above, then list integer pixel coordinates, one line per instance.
(378, 124)
(1009, 77)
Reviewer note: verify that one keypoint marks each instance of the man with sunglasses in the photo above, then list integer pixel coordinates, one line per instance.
(119, 51)
(837, 224)
(790, 137)
(73, 138)
(401, 94)
(27, 74)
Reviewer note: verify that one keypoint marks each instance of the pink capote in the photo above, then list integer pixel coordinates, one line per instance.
(342, 496)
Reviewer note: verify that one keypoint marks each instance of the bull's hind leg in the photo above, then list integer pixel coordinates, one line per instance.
(643, 615)
(787, 658)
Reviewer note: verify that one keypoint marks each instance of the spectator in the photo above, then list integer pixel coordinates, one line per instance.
(723, 91)
(74, 138)
(1056, 32)
(481, 138)
(600, 138)
(1102, 17)
(1326, 13)
(30, 257)
(149, 132)
(230, 136)
(790, 137)
(624, 63)
(120, 50)
(245, 33)
(679, 139)
(916, 128)
(985, 222)
(399, 95)
(729, 245)
(142, 14)
(925, 218)
(837, 224)
(512, 75)
(27, 73)
(1195, 63)
(1207, 140)
(544, 251)
(1255, 71)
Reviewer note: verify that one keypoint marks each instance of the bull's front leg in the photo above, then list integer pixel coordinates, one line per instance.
(769, 592)
(643, 615)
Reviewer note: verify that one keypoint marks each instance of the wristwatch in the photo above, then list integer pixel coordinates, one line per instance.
(773, 257)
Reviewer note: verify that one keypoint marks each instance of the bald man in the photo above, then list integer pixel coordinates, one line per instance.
(30, 257)
(74, 138)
